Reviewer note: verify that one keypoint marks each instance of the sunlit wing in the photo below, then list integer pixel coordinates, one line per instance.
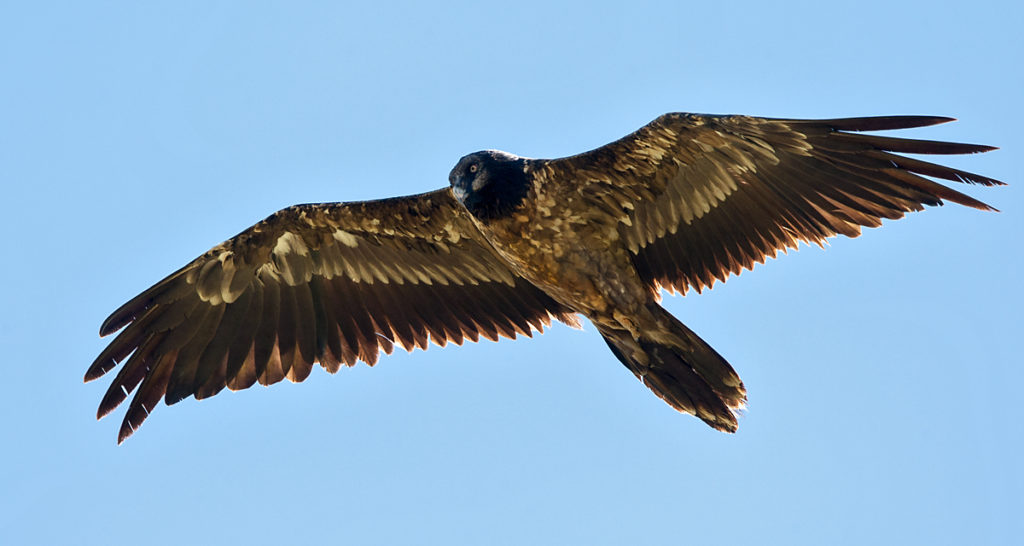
(699, 197)
(327, 283)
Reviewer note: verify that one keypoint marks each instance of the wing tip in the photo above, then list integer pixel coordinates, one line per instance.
(973, 148)
(92, 374)
(939, 120)
(103, 364)
(117, 320)
(127, 428)
(102, 412)
(881, 123)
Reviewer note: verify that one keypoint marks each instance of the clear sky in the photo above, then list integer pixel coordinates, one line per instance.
(883, 372)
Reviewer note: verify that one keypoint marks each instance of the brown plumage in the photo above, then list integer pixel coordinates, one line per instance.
(514, 243)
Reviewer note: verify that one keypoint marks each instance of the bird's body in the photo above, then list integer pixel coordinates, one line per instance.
(548, 241)
(514, 243)
(561, 243)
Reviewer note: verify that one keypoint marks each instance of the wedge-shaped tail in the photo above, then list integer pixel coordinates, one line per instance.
(682, 369)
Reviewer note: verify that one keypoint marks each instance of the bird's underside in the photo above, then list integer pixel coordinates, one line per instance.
(515, 243)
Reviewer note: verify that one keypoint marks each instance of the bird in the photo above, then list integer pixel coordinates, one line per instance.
(515, 243)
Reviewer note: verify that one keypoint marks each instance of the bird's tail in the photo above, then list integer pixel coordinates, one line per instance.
(682, 369)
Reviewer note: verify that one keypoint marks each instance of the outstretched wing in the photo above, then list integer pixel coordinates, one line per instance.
(700, 197)
(327, 283)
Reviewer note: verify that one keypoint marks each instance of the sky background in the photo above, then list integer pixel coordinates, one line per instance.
(883, 373)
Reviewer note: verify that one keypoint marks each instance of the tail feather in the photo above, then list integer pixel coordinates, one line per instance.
(683, 370)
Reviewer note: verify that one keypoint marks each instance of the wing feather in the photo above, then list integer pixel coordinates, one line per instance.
(265, 340)
(130, 375)
(182, 379)
(240, 370)
(334, 354)
(304, 354)
(150, 391)
(211, 368)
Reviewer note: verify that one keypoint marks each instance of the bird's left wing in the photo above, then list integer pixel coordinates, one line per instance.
(328, 283)
(699, 197)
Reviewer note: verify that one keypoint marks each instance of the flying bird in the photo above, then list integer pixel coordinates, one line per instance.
(514, 243)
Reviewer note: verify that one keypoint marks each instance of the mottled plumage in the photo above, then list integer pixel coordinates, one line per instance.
(514, 243)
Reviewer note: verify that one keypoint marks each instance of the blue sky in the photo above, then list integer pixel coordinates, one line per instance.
(883, 372)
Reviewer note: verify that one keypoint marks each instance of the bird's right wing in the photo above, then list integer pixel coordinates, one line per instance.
(328, 283)
(699, 197)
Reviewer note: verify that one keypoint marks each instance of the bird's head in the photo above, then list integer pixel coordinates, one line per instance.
(490, 184)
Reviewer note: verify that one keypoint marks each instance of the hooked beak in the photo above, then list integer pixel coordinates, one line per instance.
(459, 187)
(460, 192)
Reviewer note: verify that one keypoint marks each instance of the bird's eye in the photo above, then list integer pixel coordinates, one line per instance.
(473, 168)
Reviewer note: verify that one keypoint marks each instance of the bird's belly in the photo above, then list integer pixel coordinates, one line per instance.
(588, 271)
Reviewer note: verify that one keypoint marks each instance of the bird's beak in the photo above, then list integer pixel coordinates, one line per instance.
(459, 188)
(460, 192)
